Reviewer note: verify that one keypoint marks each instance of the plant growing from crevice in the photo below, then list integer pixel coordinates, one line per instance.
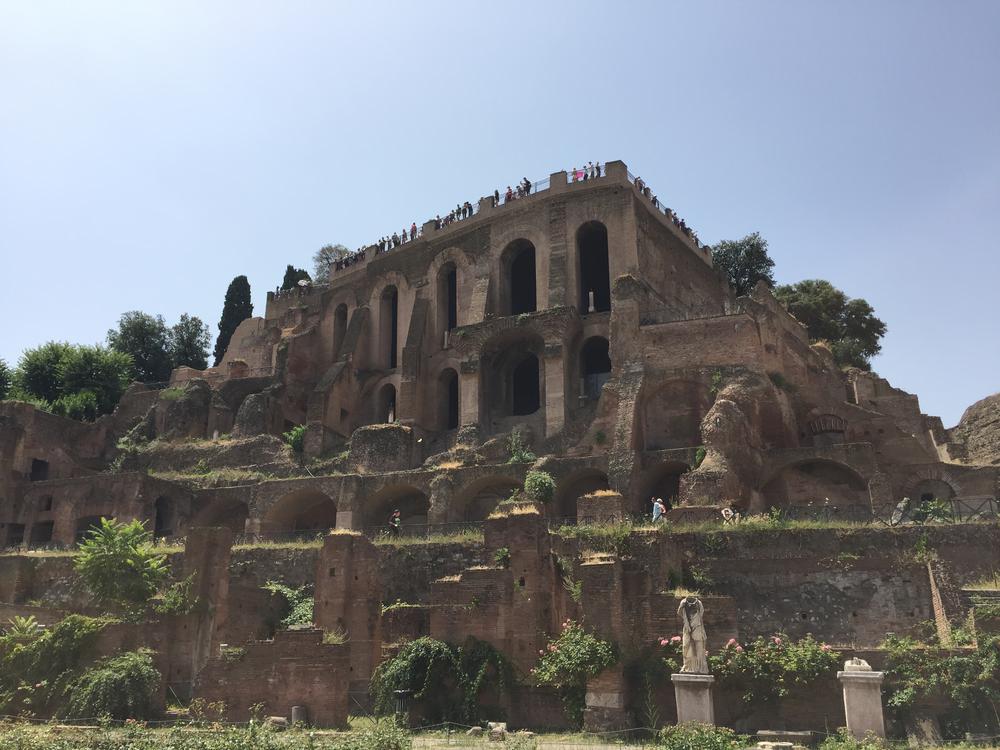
(179, 598)
(517, 451)
(295, 438)
(699, 456)
(502, 557)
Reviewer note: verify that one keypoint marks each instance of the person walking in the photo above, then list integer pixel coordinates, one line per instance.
(395, 522)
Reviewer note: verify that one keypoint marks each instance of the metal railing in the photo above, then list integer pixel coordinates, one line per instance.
(656, 203)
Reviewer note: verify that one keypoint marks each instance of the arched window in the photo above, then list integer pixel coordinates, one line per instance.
(524, 386)
(447, 296)
(386, 404)
(520, 282)
(339, 328)
(389, 324)
(595, 275)
(595, 366)
(448, 399)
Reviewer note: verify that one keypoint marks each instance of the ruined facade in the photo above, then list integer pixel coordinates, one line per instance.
(587, 320)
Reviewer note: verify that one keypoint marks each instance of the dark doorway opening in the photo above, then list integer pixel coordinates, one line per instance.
(595, 276)
(389, 320)
(41, 532)
(163, 517)
(448, 390)
(524, 387)
(387, 403)
(339, 329)
(522, 279)
(449, 286)
(595, 366)
(39, 470)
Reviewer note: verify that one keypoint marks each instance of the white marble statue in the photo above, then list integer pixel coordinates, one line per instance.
(691, 611)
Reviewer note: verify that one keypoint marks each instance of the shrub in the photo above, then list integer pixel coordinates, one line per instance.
(296, 437)
(446, 679)
(120, 687)
(117, 563)
(540, 486)
(766, 669)
(502, 557)
(178, 599)
(569, 661)
(23, 628)
(694, 736)
(81, 406)
(299, 603)
(844, 740)
(34, 673)
(699, 456)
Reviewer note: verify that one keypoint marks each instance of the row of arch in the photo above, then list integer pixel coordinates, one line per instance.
(518, 291)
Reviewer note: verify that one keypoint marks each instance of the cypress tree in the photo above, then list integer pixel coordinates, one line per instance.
(235, 310)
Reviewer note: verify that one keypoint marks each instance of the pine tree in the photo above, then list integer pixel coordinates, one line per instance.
(236, 308)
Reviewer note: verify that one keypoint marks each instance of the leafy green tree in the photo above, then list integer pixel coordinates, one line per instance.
(188, 342)
(146, 338)
(293, 276)
(37, 374)
(745, 262)
(120, 687)
(104, 372)
(5, 379)
(117, 563)
(849, 325)
(235, 309)
(322, 260)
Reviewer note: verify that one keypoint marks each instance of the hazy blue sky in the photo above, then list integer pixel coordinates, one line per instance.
(150, 151)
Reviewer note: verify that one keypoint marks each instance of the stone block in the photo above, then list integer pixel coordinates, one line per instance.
(603, 506)
(694, 698)
(862, 698)
(382, 447)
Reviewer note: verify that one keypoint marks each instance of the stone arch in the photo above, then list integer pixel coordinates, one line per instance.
(230, 513)
(302, 510)
(661, 480)
(671, 415)
(511, 376)
(519, 278)
(412, 502)
(930, 489)
(572, 487)
(478, 499)
(815, 482)
(595, 366)
(593, 271)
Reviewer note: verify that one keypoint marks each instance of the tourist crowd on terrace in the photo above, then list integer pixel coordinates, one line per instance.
(467, 210)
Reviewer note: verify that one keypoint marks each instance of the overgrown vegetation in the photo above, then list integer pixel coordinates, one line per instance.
(299, 603)
(694, 736)
(968, 679)
(118, 564)
(447, 681)
(569, 661)
(539, 486)
(179, 598)
(296, 437)
(36, 672)
(118, 687)
(517, 451)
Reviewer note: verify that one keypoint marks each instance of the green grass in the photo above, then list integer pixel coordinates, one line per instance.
(989, 582)
(214, 476)
(276, 544)
(465, 536)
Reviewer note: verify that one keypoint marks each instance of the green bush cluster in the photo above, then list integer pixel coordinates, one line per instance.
(696, 736)
(539, 486)
(447, 680)
(296, 437)
(117, 563)
(517, 451)
(119, 687)
(569, 661)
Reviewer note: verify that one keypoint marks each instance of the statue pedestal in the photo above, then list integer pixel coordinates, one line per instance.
(863, 701)
(694, 697)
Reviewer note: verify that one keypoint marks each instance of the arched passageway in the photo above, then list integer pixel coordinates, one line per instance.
(412, 504)
(304, 510)
(447, 297)
(662, 480)
(164, 517)
(594, 272)
(571, 488)
(227, 513)
(816, 484)
(525, 397)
